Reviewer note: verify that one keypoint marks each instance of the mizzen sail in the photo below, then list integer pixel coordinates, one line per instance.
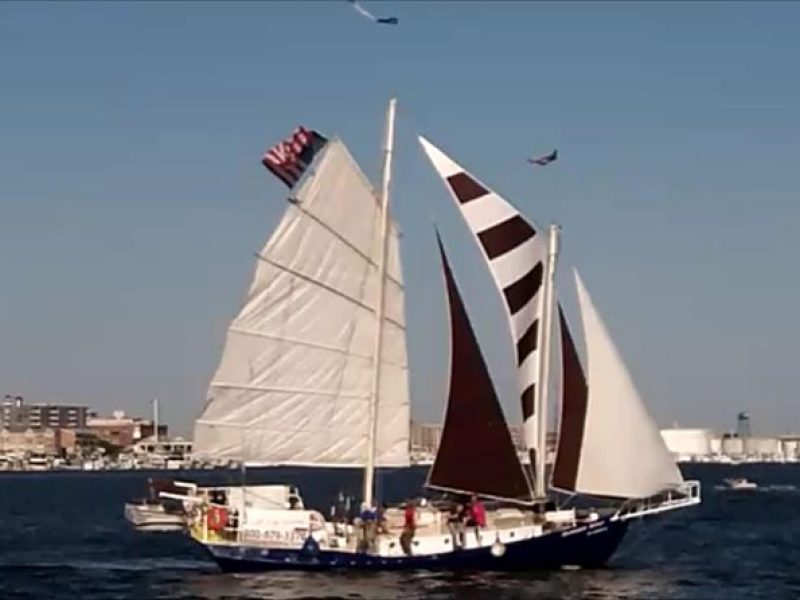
(609, 444)
(293, 383)
(476, 453)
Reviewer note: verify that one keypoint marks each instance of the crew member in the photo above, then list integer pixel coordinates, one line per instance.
(409, 527)
(477, 516)
(455, 523)
(367, 518)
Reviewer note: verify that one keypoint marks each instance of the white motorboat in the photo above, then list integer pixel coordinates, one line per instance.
(148, 515)
(740, 483)
(156, 513)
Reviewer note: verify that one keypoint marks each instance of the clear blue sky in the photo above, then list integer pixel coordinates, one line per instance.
(132, 198)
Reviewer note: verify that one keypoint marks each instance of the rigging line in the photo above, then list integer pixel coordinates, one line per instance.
(248, 427)
(326, 287)
(288, 390)
(350, 336)
(297, 204)
(311, 344)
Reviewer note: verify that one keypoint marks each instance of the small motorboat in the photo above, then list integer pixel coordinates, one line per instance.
(155, 513)
(148, 515)
(740, 483)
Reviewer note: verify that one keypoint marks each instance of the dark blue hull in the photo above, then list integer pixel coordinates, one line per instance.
(581, 546)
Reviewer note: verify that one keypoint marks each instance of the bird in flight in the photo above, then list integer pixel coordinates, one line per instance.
(544, 160)
(365, 13)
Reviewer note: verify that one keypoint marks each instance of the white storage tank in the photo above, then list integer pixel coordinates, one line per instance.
(732, 446)
(762, 446)
(689, 443)
(790, 445)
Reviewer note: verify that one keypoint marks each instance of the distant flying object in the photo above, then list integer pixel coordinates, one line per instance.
(544, 160)
(364, 12)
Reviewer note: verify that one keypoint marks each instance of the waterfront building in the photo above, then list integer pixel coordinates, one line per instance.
(29, 441)
(425, 438)
(122, 430)
(18, 416)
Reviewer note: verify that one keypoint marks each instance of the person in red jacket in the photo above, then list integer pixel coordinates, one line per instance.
(477, 512)
(477, 516)
(409, 526)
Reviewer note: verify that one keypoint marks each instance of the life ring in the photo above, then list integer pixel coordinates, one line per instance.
(498, 549)
(217, 518)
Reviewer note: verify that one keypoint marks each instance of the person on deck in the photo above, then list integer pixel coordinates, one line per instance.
(152, 497)
(455, 523)
(367, 520)
(409, 527)
(477, 516)
(339, 514)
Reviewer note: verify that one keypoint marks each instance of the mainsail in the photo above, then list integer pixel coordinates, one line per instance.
(476, 453)
(608, 444)
(516, 257)
(293, 383)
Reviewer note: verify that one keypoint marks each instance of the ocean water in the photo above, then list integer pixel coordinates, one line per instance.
(63, 535)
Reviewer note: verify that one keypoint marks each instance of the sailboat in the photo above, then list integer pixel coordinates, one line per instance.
(314, 373)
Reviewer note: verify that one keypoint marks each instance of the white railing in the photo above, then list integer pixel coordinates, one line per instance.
(683, 496)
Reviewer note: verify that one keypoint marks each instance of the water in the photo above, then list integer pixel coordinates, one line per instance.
(62, 535)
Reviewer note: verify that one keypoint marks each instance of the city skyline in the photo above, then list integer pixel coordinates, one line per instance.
(132, 197)
(515, 426)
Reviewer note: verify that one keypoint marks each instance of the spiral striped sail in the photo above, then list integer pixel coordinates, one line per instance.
(515, 253)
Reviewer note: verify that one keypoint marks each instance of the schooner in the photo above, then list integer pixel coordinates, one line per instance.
(314, 373)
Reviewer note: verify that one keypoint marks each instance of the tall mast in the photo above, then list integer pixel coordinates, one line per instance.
(544, 364)
(372, 427)
(155, 421)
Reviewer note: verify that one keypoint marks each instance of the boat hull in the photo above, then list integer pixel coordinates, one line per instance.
(153, 517)
(576, 547)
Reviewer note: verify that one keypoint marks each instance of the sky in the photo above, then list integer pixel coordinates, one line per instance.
(132, 197)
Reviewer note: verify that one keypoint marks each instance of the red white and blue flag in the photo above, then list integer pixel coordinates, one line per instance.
(289, 159)
(544, 160)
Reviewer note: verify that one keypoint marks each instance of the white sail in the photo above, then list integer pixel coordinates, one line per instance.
(622, 453)
(293, 383)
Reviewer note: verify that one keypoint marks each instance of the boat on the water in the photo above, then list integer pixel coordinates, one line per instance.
(156, 516)
(157, 513)
(314, 373)
(740, 483)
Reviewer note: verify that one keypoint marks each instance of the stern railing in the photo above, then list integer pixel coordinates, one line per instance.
(683, 496)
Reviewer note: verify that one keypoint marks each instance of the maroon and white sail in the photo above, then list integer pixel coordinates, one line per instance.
(609, 445)
(476, 453)
(515, 253)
